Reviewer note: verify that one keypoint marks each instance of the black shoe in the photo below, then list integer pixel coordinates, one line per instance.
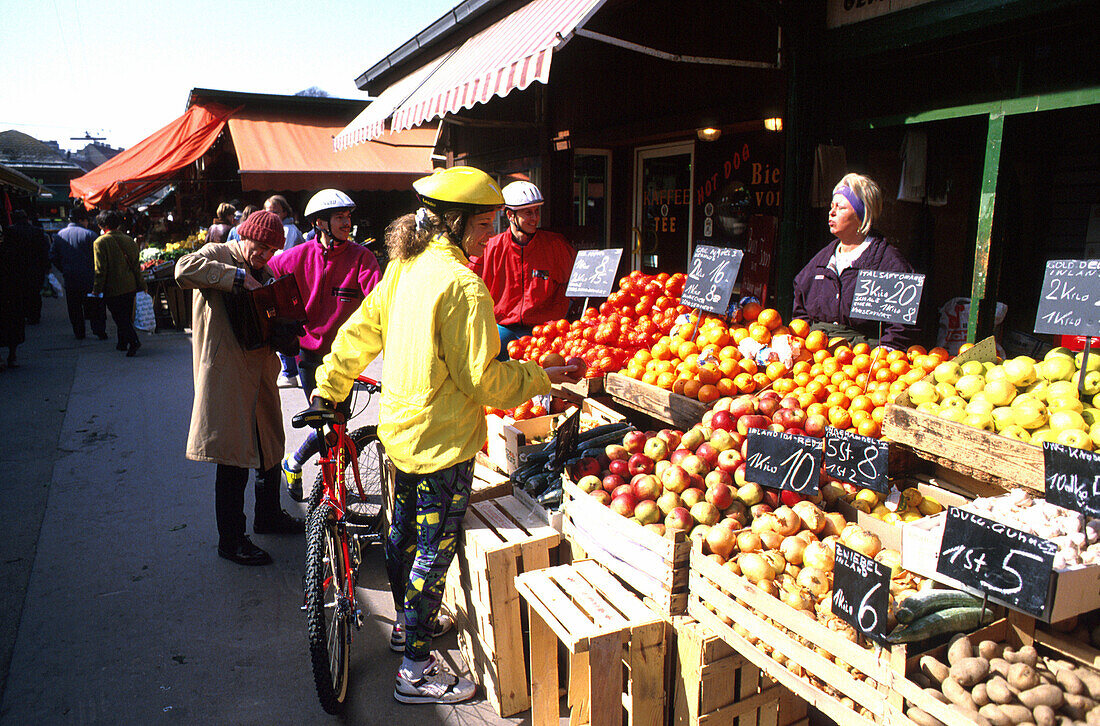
(245, 553)
(133, 349)
(281, 523)
(120, 346)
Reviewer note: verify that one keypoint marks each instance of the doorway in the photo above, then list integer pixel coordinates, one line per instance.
(662, 207)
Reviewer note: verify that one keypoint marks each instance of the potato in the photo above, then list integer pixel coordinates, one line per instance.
(1091, 679)
(1044, 716)
(969, 671)
(999, 666)
(1071, 683)
(1076, 707)
(1045, 695)
(1021, 676)
(980, 695)
(933, 668)
(1011, 714)
(937, 694)
(922, 680)
(957, 694)
(959, 648)
(922, 718)
(990, 650)
(1092, 718)
(1026, 654)
(998, 691)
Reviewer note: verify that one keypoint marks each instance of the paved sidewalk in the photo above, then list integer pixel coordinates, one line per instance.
(116, 607)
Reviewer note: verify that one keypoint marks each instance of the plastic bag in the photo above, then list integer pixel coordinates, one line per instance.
(954, 318)
(55, 285)
(144, 317)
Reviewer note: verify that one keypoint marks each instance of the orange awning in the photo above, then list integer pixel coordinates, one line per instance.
(144, 167)
(295, 153)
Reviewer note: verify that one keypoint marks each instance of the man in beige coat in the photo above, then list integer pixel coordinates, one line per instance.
(236, 421)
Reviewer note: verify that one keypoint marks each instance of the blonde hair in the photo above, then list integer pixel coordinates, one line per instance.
(869, 193)
(405, 238)
(225, 213)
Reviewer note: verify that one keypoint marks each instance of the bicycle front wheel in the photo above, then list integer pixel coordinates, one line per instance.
(329, 611)
(361, 512)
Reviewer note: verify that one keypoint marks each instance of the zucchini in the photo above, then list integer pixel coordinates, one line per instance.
(917, 606)
(602, 430)
(605, 439)
(550, 497)
(940, 622)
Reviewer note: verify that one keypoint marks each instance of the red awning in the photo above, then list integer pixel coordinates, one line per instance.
(512, 53)
(143, 168)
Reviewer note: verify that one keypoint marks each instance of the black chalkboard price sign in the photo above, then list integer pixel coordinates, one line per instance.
(889, 297)
(861, 593)
(1070, 300)
(1012, 567)
(856, 459)
(784, 461)
(711, 278)
(1072, 478)
(565, 441)
(593, 273)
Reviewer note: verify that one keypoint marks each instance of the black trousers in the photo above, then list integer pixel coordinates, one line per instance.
(81, 308)
(122, 312)
(229, 485)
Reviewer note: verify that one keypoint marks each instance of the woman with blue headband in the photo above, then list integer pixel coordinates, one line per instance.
(824, 288)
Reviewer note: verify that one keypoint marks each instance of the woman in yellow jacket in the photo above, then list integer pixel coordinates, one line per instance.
(433, 318)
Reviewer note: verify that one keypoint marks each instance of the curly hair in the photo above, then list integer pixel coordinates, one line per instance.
(405, 239)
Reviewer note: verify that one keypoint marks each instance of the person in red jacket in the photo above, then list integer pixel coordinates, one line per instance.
(526, 269)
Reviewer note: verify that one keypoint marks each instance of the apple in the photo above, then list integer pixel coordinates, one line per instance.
(660, 466)
(742, 406)
(671, 437)
(947, 372)
(723, 421)
(721, 539)
(740, 474)
(720, 495)
(679, 518)
(695, 464)
(721, 439)
(624, 504)
(589, 483)
(692, 439)
(717, 477)
(669, 500)
(678, 456)
(1061, 420)
(789, 402)
(728, 460)
(972, 368)
(697, 481)
(1094, 360)
(767, 406)
(692, 496)
(585, 466)
(771, 497)
(647, 512)
(1031, 413)
(676, 479)
(656, 449)
(623, 489)
(708, 416)
(708, 453)
(1057, 368)
(1000, 392)
(790, 498)
(967, 386)
(619, 467)
(923, 392)
(602, 497)
(1075, 437)
(648, 487)
(611, 482)
(815, 425)
(657, 527)
(1020, 371)
(616, 452)
(640, 464)
(791, 418)
(751, 421)
(634, 441)
(759, 510)
(704, 513)
(750, 494)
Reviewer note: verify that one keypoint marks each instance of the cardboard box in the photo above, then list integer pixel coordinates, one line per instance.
(508, 441)
(890, 534)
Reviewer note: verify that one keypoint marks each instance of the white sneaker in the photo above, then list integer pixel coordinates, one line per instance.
(443, 624)
(287, 381)
(437, 685)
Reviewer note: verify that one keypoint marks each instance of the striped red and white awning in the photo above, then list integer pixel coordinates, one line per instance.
(512, 53)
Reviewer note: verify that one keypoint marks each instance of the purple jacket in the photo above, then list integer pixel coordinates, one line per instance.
(821, 296)
(333, 282)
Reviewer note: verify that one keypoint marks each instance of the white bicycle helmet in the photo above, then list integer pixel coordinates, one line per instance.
(327, 200)
(521, 194)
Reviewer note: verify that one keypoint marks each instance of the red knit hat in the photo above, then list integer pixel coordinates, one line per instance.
(263, 227)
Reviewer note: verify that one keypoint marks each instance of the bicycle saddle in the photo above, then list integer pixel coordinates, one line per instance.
(319, 414)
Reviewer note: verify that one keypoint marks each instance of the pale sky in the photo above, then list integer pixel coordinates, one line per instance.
(123, 68)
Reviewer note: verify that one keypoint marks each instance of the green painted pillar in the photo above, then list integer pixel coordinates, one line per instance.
(980, 324)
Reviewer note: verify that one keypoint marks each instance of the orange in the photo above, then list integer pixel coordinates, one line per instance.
(815, 369)
(664, 366)
(894, 355)
(859, 348)
(816, 340)
(684, 348)
(799, 327)
(775, 370)
(691, 388)
(837, 399)
(940, 353)
(885, 374)
(678, 386)
(729, 367)
(783, 385)
(839, 417)
(879, 414)
(760, 333)
(761, 379)
(852, 390)
(730, 352)
(643, 355)
(665, 380)
(801, 379)
(861, 403)
(869, 428)
(718, 336)
(661, 351)
(859, 417)
(740, 333)
(820, 356)
(800, 366)
(709, 394)
(862, 362)
(708, 375)
(851, 371)
(781, 330)
(770, 317)
(829, 366)
(915, 350)
(744, 382)
(748, 365)
(899, 367)
(806, 401)
(813, 407)
(838, 378)
(750, 311)
(727, 387)
(650, 377)
(817, 390)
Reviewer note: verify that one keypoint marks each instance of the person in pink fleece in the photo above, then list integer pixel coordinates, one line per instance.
(334, 276)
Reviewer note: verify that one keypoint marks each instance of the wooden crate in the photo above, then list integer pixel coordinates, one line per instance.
(672, 408)
(500, 540)
(604, 627)
(990, 458)
(653, 565)
(581, 389)
(876, 696)
(712, 684)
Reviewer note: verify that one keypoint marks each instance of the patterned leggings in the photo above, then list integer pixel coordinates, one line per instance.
(427, 519)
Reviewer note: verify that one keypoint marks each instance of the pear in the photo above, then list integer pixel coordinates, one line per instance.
(1060, 351)
(1064, 404)
(1038, 436)
(953, 402)
(930, 407)
(958, 415)
(982, 421)
(1058, 368)
(979, 405)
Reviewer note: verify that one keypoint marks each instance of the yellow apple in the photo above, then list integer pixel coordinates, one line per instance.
(972, 368)
(967, 386)
(953, 414)
(1094, 360)
(1059, 351)
(979, 405)
(1062, 420)
(921, 392)
(1020, 371)
(1003, 417)
(1064, 404)
(953, 402)
(1016, 432)
(1074, 437)
(1091, 384)
(1038, 436)
(945, 390)
(1000, 392)
(1094, 434)
(1058, 368)
(1038, 389)
(1030, 412)
(947, 372)
(979, 421)
(996, 373)
(929, 407)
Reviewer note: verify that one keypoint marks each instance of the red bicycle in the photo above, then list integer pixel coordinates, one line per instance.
(341, 519)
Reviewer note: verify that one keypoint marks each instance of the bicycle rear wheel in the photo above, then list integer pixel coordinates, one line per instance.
(363, 513)
(329, 613)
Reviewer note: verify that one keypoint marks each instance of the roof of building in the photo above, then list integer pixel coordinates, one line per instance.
(21, 151)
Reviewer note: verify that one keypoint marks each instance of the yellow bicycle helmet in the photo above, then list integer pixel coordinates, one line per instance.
(460, 187)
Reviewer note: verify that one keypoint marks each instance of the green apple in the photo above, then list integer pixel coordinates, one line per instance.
(1074, 437)
(1062, 389)
(972, 368)
(979, 405)
(1091, 385)
(1062, 420)
(923, 392)
(1020, 371)
(979, 421)
(930, 407)
(1031, 413)
(1064, 404)
(1094, 434)
(1091, 415)
(967, 386)
(945, 391)
(1094, 360)
(1058, 368)
(953, 402)
(1000, 392)
(953, 414)
(1055, 352)
(1038, 436)
(1016, 432)
(947, 372)
(1003, 417)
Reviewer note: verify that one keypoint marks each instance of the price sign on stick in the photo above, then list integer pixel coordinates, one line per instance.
(889, 297)
(856, 459)
(711, 278)
(1072, 478)
(593, 273)
(784, 461)
(565, 446)
(1012, 567)
(1070, 301)
(861, 593)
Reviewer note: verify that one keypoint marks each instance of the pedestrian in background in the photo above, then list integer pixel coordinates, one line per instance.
(223, 223)
(13, 318)
(32, 248)
(292, 237)
(236, 420)
(233, 233)
(118, 278)
(71, 252)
